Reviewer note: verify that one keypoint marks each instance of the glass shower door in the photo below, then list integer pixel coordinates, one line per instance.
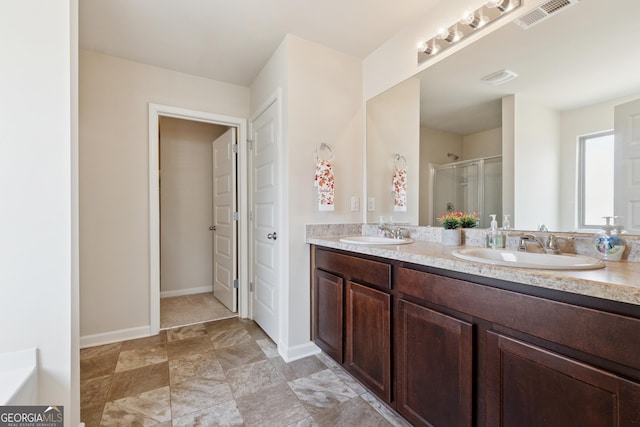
(456, 188)
(473, 186)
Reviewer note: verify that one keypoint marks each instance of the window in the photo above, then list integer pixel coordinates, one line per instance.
(595, 180)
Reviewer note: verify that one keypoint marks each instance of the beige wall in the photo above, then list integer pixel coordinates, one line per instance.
(434, 147)
(482, 144)
(114, 188)
(393, 127)
(325, 94)
(321, 102)
(38, 251)
(186, 200)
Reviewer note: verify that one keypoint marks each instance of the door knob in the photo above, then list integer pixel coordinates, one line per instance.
(212, 228)
(272, 236)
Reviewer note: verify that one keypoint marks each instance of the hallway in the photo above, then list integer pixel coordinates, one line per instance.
(221, 373)
(189, 309)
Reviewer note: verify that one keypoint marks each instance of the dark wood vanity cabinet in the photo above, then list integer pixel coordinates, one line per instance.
(537, 361)
(449, 349)
(351, 316)
(531, 386)
(434, 367)
(327, 299)
(368, 337)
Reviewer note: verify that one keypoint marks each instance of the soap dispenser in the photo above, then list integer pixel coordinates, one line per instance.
(608, 244)
(506, 225)
(494, 236)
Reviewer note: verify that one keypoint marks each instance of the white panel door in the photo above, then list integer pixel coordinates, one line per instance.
(627, 161)
(224, 226)
(265, 209)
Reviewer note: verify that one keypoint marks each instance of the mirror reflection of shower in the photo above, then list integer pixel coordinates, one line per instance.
(468, 186)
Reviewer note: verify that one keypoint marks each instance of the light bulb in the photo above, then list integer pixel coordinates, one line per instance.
(473, 20)
(501, 5)
(429, 49)
(449, 35)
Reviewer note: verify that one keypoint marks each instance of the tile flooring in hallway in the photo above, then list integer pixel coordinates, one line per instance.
(188, 309)
(221, 373)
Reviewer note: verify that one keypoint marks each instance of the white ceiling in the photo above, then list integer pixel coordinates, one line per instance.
(231, 40)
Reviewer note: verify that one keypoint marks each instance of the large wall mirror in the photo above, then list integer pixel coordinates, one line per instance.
(555, 146)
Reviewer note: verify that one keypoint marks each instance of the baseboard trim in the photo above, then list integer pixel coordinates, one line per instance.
(114, 336)
(301, 351)
(189, 291)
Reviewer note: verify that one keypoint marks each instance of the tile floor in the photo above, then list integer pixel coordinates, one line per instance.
(190, 309)
(221, 373)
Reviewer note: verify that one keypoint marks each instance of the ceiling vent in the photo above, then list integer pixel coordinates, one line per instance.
(543, 12)
(499, 77)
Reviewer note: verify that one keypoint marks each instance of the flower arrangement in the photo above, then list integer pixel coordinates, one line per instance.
(453, 220)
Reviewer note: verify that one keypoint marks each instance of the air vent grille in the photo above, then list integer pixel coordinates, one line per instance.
(555, 5)
(545, 11)
(499, 77)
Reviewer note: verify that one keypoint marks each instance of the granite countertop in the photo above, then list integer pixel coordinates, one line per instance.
(619, 281)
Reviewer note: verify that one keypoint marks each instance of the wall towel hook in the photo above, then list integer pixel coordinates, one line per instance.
(328, 152)
(399, 158)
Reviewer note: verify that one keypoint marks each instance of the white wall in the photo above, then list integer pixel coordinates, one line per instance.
(536, 166)
(37, 178)
(321, 102)
(186, 248)
(393, 127)
(114, 188)
(508, 157)
(575, 123)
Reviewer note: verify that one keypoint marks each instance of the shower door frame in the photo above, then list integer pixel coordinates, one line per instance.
(433, 167)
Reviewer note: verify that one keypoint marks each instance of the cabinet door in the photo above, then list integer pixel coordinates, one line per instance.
(367, 337)
(328, 313)
(531, 386)
(434, 367)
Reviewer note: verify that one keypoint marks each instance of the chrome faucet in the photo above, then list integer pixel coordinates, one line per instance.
(525, 239)
(551, 246)
(392, 231)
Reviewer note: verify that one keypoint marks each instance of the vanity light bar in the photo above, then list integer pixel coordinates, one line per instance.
(470, 22)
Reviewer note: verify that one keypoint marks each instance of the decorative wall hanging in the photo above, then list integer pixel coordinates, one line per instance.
(324, 178)
(399, 183)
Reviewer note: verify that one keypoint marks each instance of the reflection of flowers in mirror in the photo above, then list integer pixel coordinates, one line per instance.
(453, 220)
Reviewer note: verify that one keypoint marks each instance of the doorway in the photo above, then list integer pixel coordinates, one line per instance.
(197, 198)
(156, 113)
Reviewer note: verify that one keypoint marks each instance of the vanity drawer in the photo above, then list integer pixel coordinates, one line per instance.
(366, 271)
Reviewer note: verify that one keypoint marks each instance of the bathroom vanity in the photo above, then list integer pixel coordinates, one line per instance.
(447, 342)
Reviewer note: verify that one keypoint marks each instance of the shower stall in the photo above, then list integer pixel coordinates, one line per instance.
(468, 186)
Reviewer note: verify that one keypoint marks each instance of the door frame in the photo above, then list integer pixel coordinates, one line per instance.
(155, 112)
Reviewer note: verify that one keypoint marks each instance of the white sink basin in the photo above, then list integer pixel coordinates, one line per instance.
(528, 259)
(374, 240)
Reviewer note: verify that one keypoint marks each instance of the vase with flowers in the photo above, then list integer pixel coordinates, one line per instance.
(453, 222)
